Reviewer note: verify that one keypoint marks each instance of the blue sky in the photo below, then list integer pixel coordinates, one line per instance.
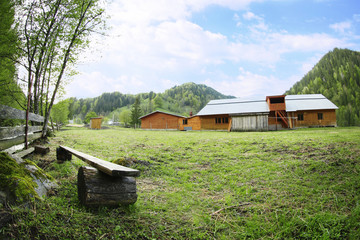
(244, 48)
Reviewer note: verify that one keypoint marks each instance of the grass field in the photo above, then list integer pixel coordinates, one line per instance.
(300, 184)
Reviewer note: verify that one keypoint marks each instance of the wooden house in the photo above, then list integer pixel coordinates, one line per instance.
(270, 113)
(161, 120)
(95, 123)
(310, 110)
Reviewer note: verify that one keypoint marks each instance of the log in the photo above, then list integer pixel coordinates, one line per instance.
(4, 144)
(62, 155)
(12, 113)
(41, 149)
(12, 132)
(96, 188)
(25, 152)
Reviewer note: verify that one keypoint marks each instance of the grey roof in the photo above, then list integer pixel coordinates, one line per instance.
(161, 112)
(234, 106)
(251, 106)
(308, 102)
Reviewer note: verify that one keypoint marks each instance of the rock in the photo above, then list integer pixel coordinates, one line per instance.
(5, 218)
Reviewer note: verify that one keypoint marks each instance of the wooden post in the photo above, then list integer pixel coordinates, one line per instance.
(41, 149)
(96, 188)
(27, 112)
(62, 155)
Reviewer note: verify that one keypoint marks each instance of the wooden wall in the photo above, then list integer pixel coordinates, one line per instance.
(209, 122)
(192, 122)
(250, 123)
(95, 123)
(311, 118)
(160, 120)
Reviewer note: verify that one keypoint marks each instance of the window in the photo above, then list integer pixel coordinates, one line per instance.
(221, 120)
(301, 117)
(185, 121)
(320, 116)
(277, 100)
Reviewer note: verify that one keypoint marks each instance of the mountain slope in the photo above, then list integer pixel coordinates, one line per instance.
(337, 77)
(179, 99)
(190, 97)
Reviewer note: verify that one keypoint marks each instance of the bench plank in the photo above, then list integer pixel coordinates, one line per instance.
(109, 168)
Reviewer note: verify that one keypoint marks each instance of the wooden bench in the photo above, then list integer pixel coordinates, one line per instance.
(108, 184)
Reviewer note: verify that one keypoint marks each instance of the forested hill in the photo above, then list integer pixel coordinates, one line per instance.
(179, 99)
(189, 97)
(337, 77)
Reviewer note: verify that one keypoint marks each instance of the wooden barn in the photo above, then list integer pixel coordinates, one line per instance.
(161, 120)
(270, 113)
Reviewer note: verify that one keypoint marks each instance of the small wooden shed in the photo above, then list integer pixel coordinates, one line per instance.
(95, 123)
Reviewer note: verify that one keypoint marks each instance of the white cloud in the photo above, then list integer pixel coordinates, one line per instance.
(251, 16)
(173, 44)
(310, 63)
(341, 27)
(301, 42)
(246, 85)
(145, 12)
(153, 44)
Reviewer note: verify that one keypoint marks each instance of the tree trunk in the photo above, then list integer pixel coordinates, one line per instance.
(98, 189)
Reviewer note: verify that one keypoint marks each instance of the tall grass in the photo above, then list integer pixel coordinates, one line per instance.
(300, 184)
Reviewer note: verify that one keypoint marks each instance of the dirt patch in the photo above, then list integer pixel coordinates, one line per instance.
(130, 161)
(148, 184)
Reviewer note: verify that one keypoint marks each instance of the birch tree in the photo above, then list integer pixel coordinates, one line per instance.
(53, 35)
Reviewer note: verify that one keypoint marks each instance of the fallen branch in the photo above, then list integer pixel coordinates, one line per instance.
(234, 206)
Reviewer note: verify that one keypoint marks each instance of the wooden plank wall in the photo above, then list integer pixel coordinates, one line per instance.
(95, 123)
(193, 122)
(160, 121)
(311, 118)
(250, 123)
(209, 122)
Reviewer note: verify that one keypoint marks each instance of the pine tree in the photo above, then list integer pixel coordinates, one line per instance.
(136, 113)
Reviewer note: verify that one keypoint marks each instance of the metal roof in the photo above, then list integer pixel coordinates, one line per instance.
(234, 106)
(163, 113)
(251, 106)
(308, 102)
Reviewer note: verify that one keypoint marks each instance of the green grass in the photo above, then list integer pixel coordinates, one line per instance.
(301, 184)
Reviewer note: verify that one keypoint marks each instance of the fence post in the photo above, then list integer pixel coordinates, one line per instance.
(27, 112)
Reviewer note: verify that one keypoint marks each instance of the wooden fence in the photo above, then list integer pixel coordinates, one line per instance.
(10, 136)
